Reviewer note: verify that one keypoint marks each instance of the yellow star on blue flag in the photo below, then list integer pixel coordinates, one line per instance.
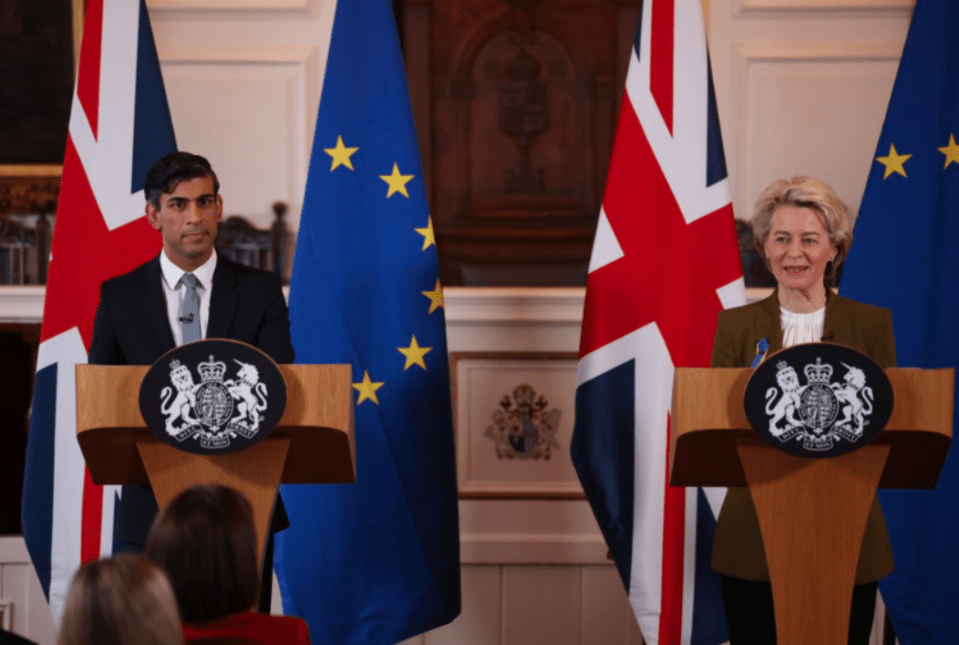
(397, 182)
(894, 162)
(341, 155)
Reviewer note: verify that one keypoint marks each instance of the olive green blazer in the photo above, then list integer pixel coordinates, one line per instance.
(738, 546)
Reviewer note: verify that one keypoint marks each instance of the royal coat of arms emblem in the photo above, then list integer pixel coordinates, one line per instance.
(843, 404)
(224, 412)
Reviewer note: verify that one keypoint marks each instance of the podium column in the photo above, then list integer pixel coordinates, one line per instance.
(812, 514)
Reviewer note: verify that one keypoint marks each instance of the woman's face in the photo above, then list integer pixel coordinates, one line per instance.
(798, 248)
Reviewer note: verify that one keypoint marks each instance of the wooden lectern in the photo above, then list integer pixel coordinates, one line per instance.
(313, 443)
(812, 512)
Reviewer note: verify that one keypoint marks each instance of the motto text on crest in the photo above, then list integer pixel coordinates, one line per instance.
(820, 412)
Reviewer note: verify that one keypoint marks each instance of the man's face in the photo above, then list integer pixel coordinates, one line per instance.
(187, 220)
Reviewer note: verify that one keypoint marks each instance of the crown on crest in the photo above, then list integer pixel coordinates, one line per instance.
(818, 373)
(524, 394)
(212, 370)
(178, 369)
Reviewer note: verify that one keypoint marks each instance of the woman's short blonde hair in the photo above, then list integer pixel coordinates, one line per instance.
(121, 600)
(804, 192)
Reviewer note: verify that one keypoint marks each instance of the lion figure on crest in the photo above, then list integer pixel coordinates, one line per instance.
(788, 403)
(183, 403)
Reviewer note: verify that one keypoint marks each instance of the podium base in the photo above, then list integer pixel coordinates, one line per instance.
(812, 515)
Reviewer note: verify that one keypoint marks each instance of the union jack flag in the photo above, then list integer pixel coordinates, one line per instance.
(665, 261)
(119, 125)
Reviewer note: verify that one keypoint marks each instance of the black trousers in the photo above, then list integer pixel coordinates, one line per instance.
(752, 620)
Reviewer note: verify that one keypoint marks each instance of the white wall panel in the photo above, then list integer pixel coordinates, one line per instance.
(513, 320)
(233, 6)
(813, 110)
(802, 86)
(481, 620)
(541, 605)
(482, 385)
(19, 586)
(243, 78)
(822, 5)
(245, 110)
(607, 614)
(530, 531)
(541, 601)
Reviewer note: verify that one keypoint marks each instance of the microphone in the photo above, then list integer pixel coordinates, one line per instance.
(827, 338)
(186, 319)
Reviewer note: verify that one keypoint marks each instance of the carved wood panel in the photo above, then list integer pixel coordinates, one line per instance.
(515, 103)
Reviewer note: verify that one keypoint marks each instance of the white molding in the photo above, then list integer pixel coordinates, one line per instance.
(305, 7)
(516, 548)
(13, 550)
(532, 305)
(282, 54)
(513, 320)
(21, 304)
(753, 8)
(826, 51)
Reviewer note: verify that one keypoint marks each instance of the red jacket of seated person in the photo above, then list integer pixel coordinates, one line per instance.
(249, 627)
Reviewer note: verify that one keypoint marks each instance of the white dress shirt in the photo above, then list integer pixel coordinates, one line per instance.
(174, 292)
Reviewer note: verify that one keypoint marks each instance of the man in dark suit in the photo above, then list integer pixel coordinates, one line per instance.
(150, 310)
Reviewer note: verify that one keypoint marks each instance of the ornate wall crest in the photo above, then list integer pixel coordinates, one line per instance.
(239, 399)
(844, 403)
(522, 426)
(523, 108)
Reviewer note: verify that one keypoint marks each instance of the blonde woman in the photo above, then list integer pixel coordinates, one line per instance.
(802, 231)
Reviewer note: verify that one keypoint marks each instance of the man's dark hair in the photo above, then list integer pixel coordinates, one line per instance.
(169, 170)
(205, 542)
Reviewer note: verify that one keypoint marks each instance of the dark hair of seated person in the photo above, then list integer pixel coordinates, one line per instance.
(205, 541)
(9, 638)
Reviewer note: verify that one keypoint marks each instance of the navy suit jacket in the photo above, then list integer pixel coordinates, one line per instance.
(132, 328)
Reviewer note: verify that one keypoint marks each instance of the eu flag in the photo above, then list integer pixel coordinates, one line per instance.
(377, 561)
(906, 257)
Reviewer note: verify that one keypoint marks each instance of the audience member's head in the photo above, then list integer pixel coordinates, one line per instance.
(118, 601)
(205, 541)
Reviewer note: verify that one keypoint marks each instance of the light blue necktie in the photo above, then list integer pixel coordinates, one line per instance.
(190, 313)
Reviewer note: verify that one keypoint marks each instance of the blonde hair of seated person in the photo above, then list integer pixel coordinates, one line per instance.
(123, 600)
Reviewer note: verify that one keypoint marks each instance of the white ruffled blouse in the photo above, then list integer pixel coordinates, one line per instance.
(802, 328)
